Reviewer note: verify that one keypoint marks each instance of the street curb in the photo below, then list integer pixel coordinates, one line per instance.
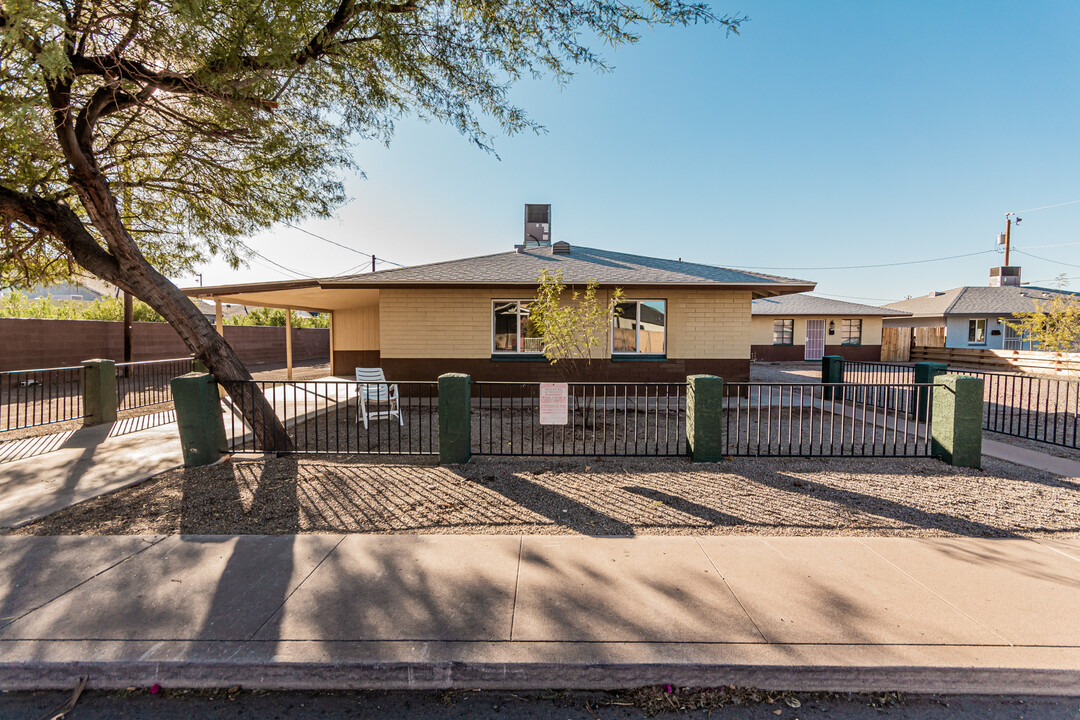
(37, 675)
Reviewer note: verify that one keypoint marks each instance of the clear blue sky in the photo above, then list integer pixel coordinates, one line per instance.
(826, 134)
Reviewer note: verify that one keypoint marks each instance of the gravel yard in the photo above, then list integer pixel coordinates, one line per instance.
(616, 497)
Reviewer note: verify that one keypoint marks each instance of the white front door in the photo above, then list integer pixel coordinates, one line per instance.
(815, 340)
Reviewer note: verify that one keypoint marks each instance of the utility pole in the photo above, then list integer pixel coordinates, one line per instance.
(1008, 235)
(372, 263)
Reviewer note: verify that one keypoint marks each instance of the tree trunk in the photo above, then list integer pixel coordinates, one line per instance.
(144, 282)
(126, 268)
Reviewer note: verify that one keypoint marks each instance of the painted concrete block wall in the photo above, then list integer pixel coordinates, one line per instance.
(357, 328)
(456, 322)
(956, 335)
(762, 329)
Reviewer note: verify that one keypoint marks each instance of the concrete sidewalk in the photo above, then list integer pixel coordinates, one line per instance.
(41, 475)
(320, 611)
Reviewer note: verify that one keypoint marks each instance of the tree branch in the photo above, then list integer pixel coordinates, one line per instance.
(60, 222)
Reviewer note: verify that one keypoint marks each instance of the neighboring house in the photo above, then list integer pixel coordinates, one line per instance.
(803, 327)
(972, 316)
(471, 315)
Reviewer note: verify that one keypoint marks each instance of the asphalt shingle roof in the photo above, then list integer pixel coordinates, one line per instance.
(978, 300)
(802, 304)
(581, 266)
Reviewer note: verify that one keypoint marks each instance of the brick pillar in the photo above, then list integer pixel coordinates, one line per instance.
(832, 371)
(956, 428)
(704, 418)
(198, 416)
(99, 392)
(455, 418)
(925, 372)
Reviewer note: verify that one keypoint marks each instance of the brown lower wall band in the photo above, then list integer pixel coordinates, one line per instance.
(791, 353)
(604, 370)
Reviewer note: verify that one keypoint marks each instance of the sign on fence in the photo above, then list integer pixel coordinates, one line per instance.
(553, 403)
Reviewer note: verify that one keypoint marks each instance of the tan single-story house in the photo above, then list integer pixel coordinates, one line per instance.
(804, 327)
(470, 315)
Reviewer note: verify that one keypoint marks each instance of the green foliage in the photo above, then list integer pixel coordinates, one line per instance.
(572, 325)
(215, 119)
(276, 317)
(1054, 326)
(16, 304)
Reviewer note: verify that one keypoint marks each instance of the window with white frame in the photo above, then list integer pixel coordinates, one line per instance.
(977, 331)
(783, 331)
(639, 328)
(851, 331)
(512, 331)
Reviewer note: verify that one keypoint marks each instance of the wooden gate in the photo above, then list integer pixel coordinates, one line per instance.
(895, 344)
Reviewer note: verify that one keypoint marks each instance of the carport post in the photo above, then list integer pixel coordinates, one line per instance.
(99, 392)
(288, 344)
(705, 418)
(455, 420)
(198, 416)
(956, 428)
(832, 371)
(926, 372)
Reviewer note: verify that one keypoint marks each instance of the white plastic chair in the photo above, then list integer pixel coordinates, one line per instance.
(376, 391)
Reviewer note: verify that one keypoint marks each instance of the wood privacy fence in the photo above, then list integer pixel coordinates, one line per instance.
(1004, 360)
(38, 343)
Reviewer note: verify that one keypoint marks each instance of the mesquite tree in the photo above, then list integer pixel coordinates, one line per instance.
(142, 136)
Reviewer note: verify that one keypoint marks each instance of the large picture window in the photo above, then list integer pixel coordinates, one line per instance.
(639, 328)
(851, 332)
(783, 331)
(511, 329)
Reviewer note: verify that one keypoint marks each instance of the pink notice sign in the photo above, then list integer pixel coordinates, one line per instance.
(553, 403)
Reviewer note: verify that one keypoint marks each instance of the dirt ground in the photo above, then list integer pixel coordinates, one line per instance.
(591, 496)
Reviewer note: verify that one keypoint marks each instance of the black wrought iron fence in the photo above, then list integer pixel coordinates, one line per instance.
(143, 384)
(863, 372)
(602, 419)
(1044, 409)
(339, 417)
(825, 420)
(29, 398)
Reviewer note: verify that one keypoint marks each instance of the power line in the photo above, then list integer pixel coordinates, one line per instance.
(346, 247)
(1056, 262)
(1047, 207)
(863, 267)
(852, 297)
(277, 264)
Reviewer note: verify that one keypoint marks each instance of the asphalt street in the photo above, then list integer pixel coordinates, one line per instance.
(501, 705)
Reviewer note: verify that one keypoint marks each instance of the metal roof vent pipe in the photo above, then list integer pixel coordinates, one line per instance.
(537, 226)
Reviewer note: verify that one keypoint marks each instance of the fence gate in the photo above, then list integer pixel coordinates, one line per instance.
(625, 419)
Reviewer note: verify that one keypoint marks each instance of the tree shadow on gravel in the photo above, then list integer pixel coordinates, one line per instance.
(241, 498)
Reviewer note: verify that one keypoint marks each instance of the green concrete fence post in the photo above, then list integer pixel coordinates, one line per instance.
(198, 415)
(832, 371)
(455, 418)
(99, 392)
(925, 372)
(705, 418)
(956, 428)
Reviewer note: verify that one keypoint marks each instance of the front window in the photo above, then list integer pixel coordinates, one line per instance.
(783, 331)
(851, 332)
(511, 328)
(977, 332)
(639, 327)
